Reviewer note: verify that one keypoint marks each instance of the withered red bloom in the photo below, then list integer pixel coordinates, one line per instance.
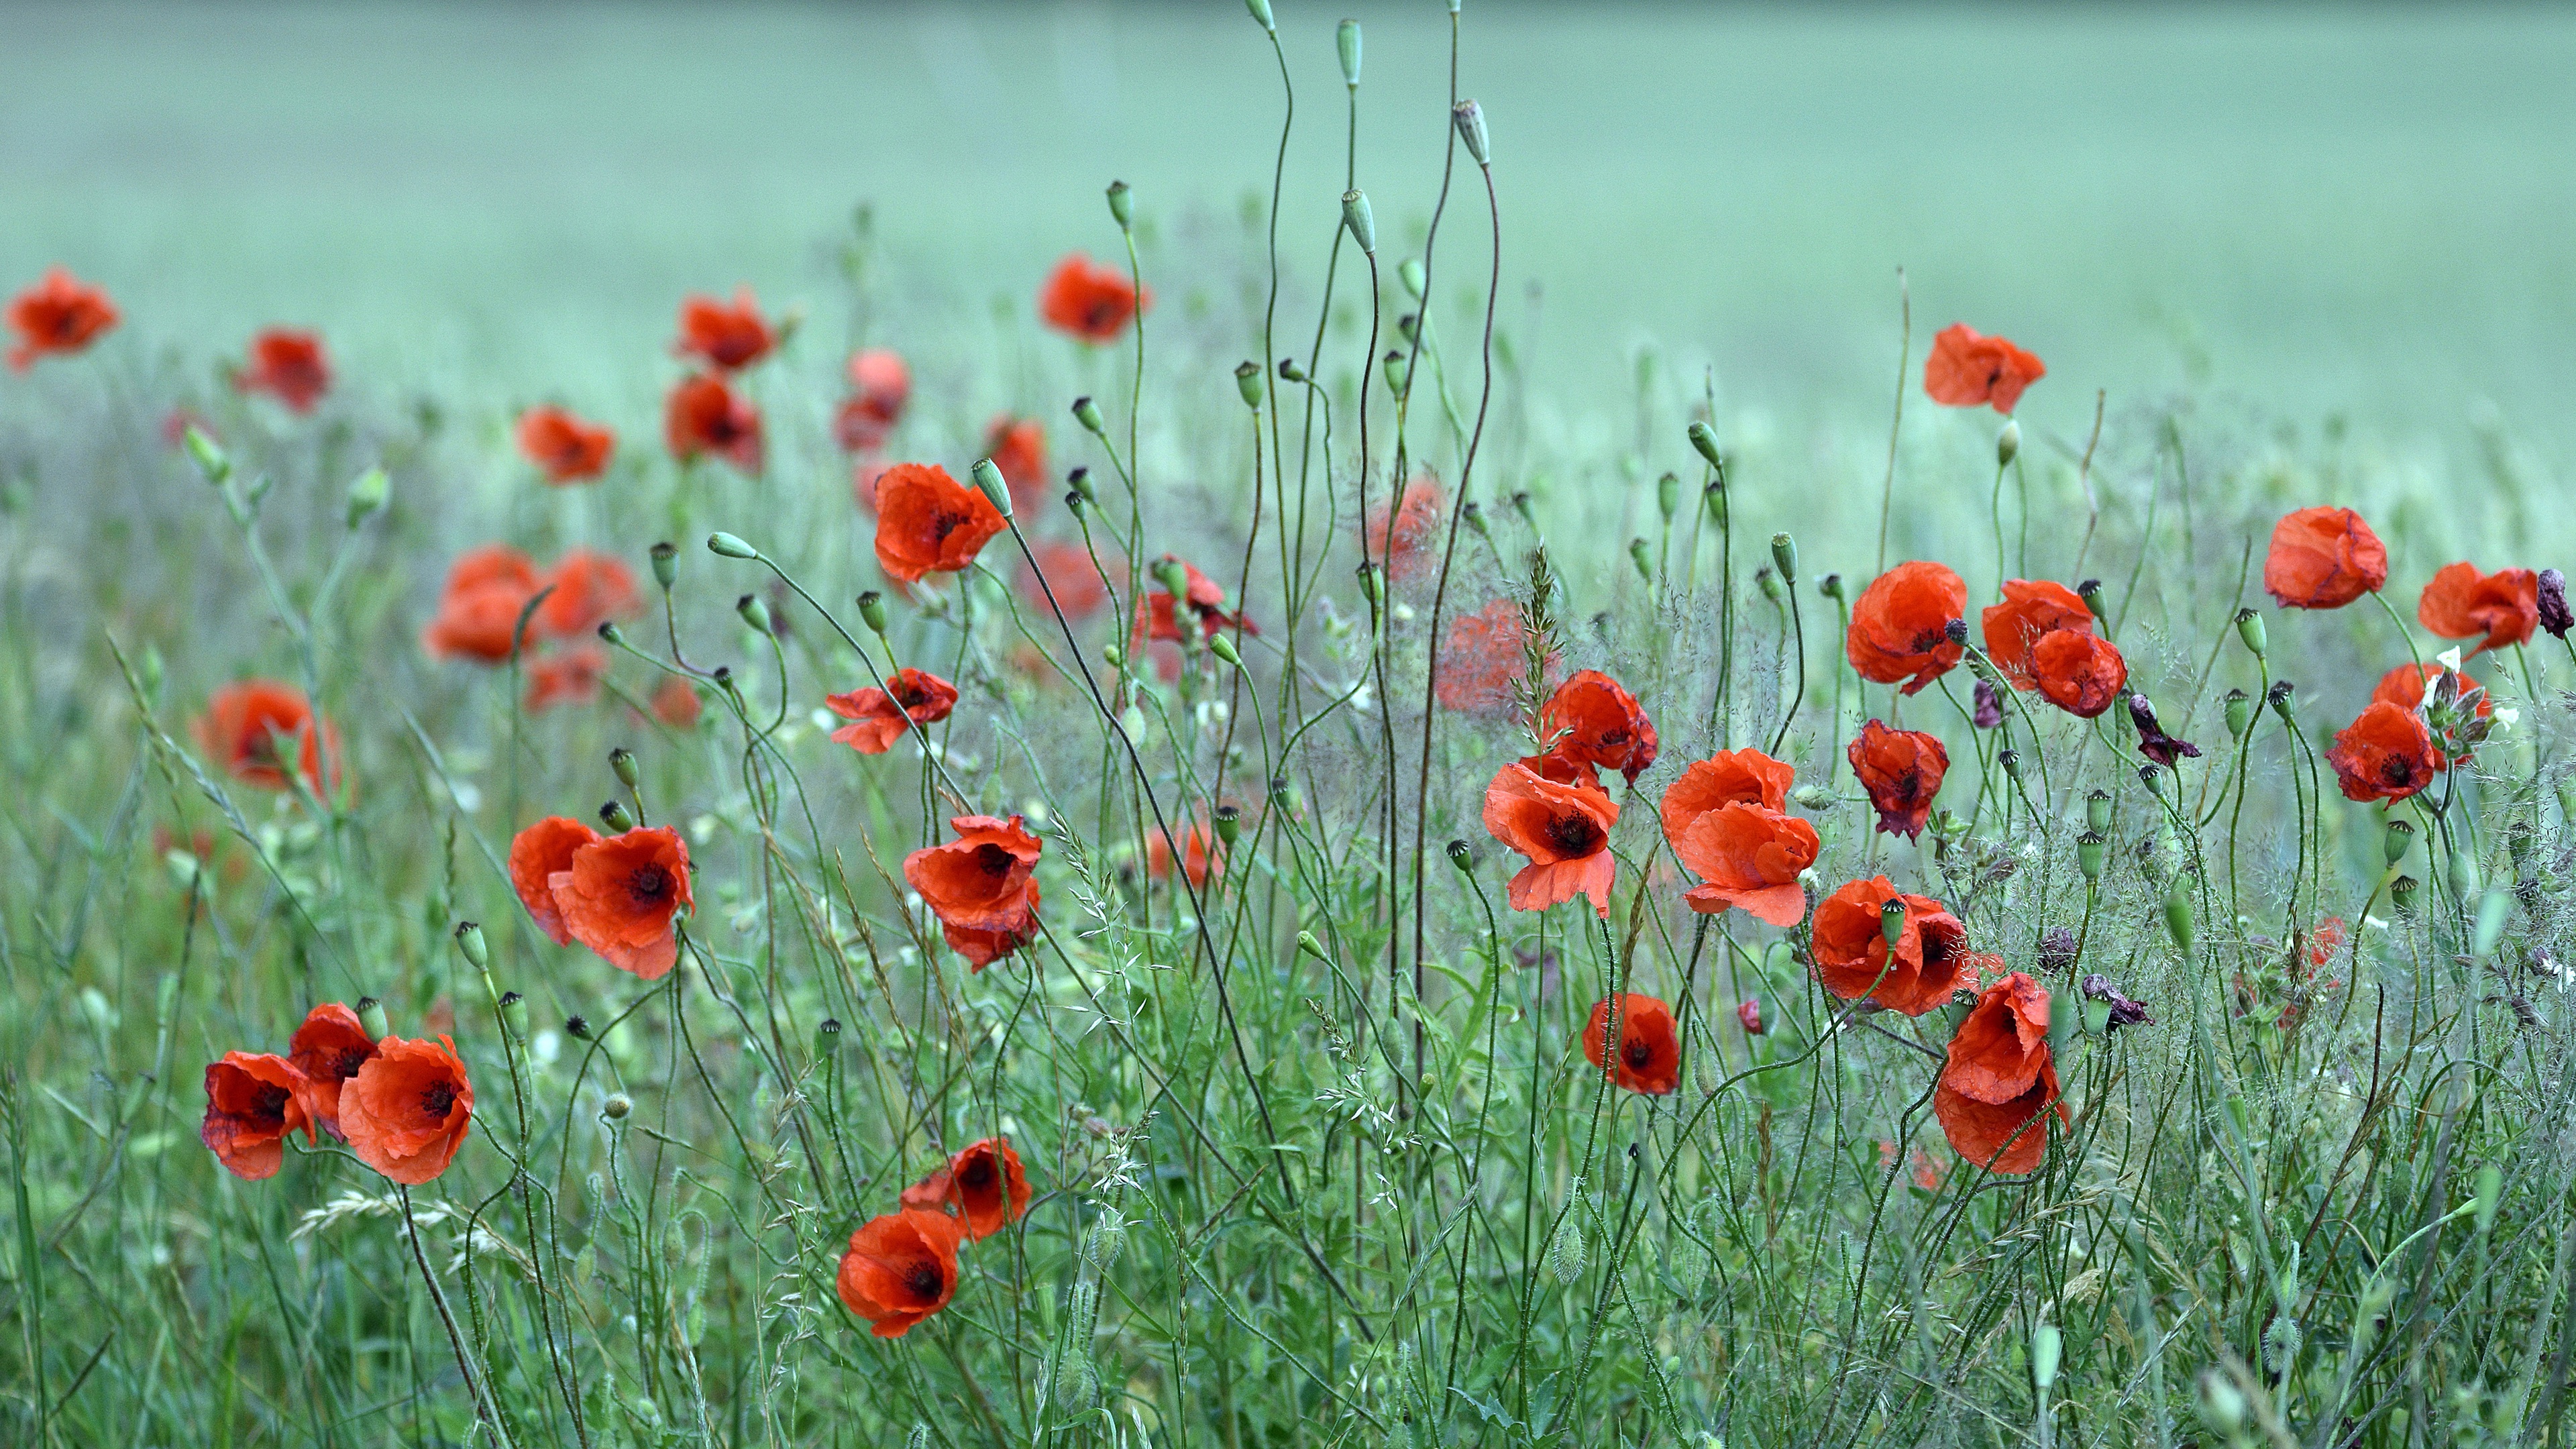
(60, 314)
(1070, 576)
(879, 717)
(1999, 1080)
(478, 611)
(1591, 719)
(2079, 671)
(1090, 301)
(880, 385)
(727, 336)
(2031, 610)
(900, 1269)
(982, 886)
(2323, 558)
(567, 676)
(983, 1185)
(1851, 955)
(1900, 625)
(1017, 446)
(1650, 1053)
(621, 894)
(249, 728)
(408, 1109)
(705, 415)
(1901, 770)
(928, 522)
(1484, 660)
(1407, 536)
(537, 855)
(1749, 857)
(589, 588)
(1728, 777)
(1967, 368)
(1563, 829)
(2461, 603)
(252, 1103)
(287, 365)
(2386, 754)
(327, 1050)
(564, 447)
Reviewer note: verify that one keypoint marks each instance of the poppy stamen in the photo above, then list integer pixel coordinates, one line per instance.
(648, 883)
(439, 1100)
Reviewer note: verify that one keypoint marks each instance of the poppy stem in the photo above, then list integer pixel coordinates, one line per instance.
(474, 1387)
(1896, 428)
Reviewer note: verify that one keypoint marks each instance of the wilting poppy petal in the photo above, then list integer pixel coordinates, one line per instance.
(252, 1103)
(2461, 603)
(2323, 558)
(1901, 625)
(1967, 368)
(1998, 1079)
(879, 717)
(1902, 771)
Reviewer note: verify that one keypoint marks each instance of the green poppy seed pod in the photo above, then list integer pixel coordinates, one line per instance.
(577, 1026)
(1411, 274)
(1261, 12)
(1355, 210)
(2490, 1194)
(2240, 712)
(872, 612)
(2011, 761)
(609, 633)
(1529, 515)
(469, 941)
(367, 495)
(1715, 498)
(621, 763)
(1471, 130)
(2249, 627)
(1284, 794)
(616, 817)
(371, 1019)
(1247, 381)
(1347, 41)
(2090, 847)
(1223, 648)
(1087, 413)
(1172, 574)
(514, 1015)
(2090, 591)
(666, 565)
(1642, 554)
(2152, 778)
(2279, 698)
(1704, 438)
(2399, 836)
(1289, 371)
(2401, 894)
(208, 455)
(1122, 205)
(2493, 912)
(616, 1107)
(1768, 582)
(1474, 514)
(1784, 552)
(1565, 1250)
(1392, 366)
(1229, 818)
(753, 612)
(1831, 586)
(730, 546)
(1307, 943)
(1668, 495)
(1891, 921)
(1461, 857)
(2045, 1346)
(2097, 811)
(2178, 911)
(827, 1039)
(2007, 448)
(995, 488)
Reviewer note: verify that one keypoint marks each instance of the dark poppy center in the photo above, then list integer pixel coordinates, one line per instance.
(1636, 1054)
(977, 1174)
(993, 860)
(1931, 639)
(910, 696)
(346, 1064)
(946, 524)
(1938, 947)
(1614, 737)
(1574, 834)
(648, 884)
(270, 1104)
(924, 1280)
(439, 1100)
(2397, 770)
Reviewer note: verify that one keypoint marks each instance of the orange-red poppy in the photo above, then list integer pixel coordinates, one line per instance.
(1564, 830)
(537, 855)
(676, 702)
(2386, 754)
(1999, 1079)
(1157, 616)
(564, 447)
(1728, 777)
(327, 1050)
(1017, 446)
(2323, 558)
(59, 314)
(879, 717)
(1967, 368)
(705, 415)
(408, 1109)
(1484, 660)
(1901, 770)
(589, 588)
(727, 336)
(1090, 301)
(1591, 719)
(1900, 625)
(880, 385)
(983, 1185)
(2404, 686)
(569, 675)
(252, 726)
(900, 1269)
(620, 896)
(1563, 770)
(2079, 671)
(1198, 853)
(288, 365)
(1406, 536)
(253, 1101)
(2461, 603)
(487, 589)
(1650, 1053)
(1070, 576)
(928, 522)
(982, 886)
(1749, 857)
(2032, 609)
(2460, 706)
(1851, 951)
(1925, 1173)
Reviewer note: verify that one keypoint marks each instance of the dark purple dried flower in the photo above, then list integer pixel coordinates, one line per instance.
(2553, 603)
(2124, 1012)
(2153, 742)
(1990, 707)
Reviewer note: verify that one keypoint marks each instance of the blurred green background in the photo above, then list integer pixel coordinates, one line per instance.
(2364, 210)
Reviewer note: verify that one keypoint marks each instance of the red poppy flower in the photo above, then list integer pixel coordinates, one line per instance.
(982, 886)
(1650, 1055)
(1484, 660)
(2461, 603)
(728, 336)
(287, 365)
(2032, 609)
(251, 726)
(1967, 368)
(1901, 625)
(1090, 301)
(2386, 754)
(1070, 575)
(478, 611)
(2323, 558)
(1750, 857)
(1999, 1079)
(2078, 671)
(1407, 536)
(1156, 617)
(2404, 687)
(1748, 1014)
(252, 1103)
(1901, 770)
(900, 1269)
(59, 314)
(589, 589)
(620, 895)
(1198, 853)
(879, 717)
(1564, 771)
(705, 415)
(1851, 955)
(565, 448)
(408, 1109)
(1728, 777)
(1017, 446)
(880, 385)
(2459, 706)
(567, 676)
(1565, 832)
(1591, 719)
(928, 522)
(982, 1185)
(676, 703)
(327, 1050)
(537, 855)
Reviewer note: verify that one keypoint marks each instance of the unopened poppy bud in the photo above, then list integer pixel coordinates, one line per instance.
(1410, 273)
(2399, 837)
(1565, 1250)
(609, 633)
(577, 1026)
(872, 611)
(621, 763)
(1831, 586)
(1704, 438)
(1769, 583)
(1471, 130)
(1223, 648)
(1394, 368)
(616, 1107)
(1229, 820)
(1715, 497)
(1891, 922)
(469, 940)
(367, 494)
(753, 612)
(1748, 1012)
(1642, 554)
(730, 546)
(208, 455)
(1113, 656)
(1307, 943)
(1355, 208)
(2249, 627)
(2401, 892)
(995, 488)
(2279, 699)
(2240, 711)
(666, 565)
(1122, 204)
(1347, 41)
(514, 1015)
(616, 818)
(2178, 911)
(2090, 847)
(2045, 1347)
(1261, 12)
(2466, 879)
(1373, 584)
(827, 1038)
(371, 1019)
(1784, 552)
(1247, 381)
(2008, 443)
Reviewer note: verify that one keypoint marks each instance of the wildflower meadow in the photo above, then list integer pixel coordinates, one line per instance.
(1264, 893)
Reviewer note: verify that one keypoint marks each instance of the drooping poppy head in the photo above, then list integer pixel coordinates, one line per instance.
(1563, 829)
(621, 895)
(563, 446)
(705, 415)
(2461, 603)
(488, 588)
(252, 1103)
(60, 314)
(982, 1185)
(1728, 777)
(1198, 853)
(1967, 368)
(251, 727)
(1999, 1081)
(2032, 609)
(537, 855)
(2323, 558)
(589, 588)
(1071, 578)
(1852, 956)
(1749, 857)
(2386, 754)
(982, 886)
(676, 703)
(928, 522)
(569, 675)
(1650, 1053)
(327, 1050)
(1591, 719)
(408, 1109)
(1407, 535)
(1484, 660)
(1901, 770)
(2079, 671)
(879, 717)
(1900, 625)
(287, 365)
(1088, 301)
(1017, 446)
(900, 1269)
(880, 385)
(727, 336)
